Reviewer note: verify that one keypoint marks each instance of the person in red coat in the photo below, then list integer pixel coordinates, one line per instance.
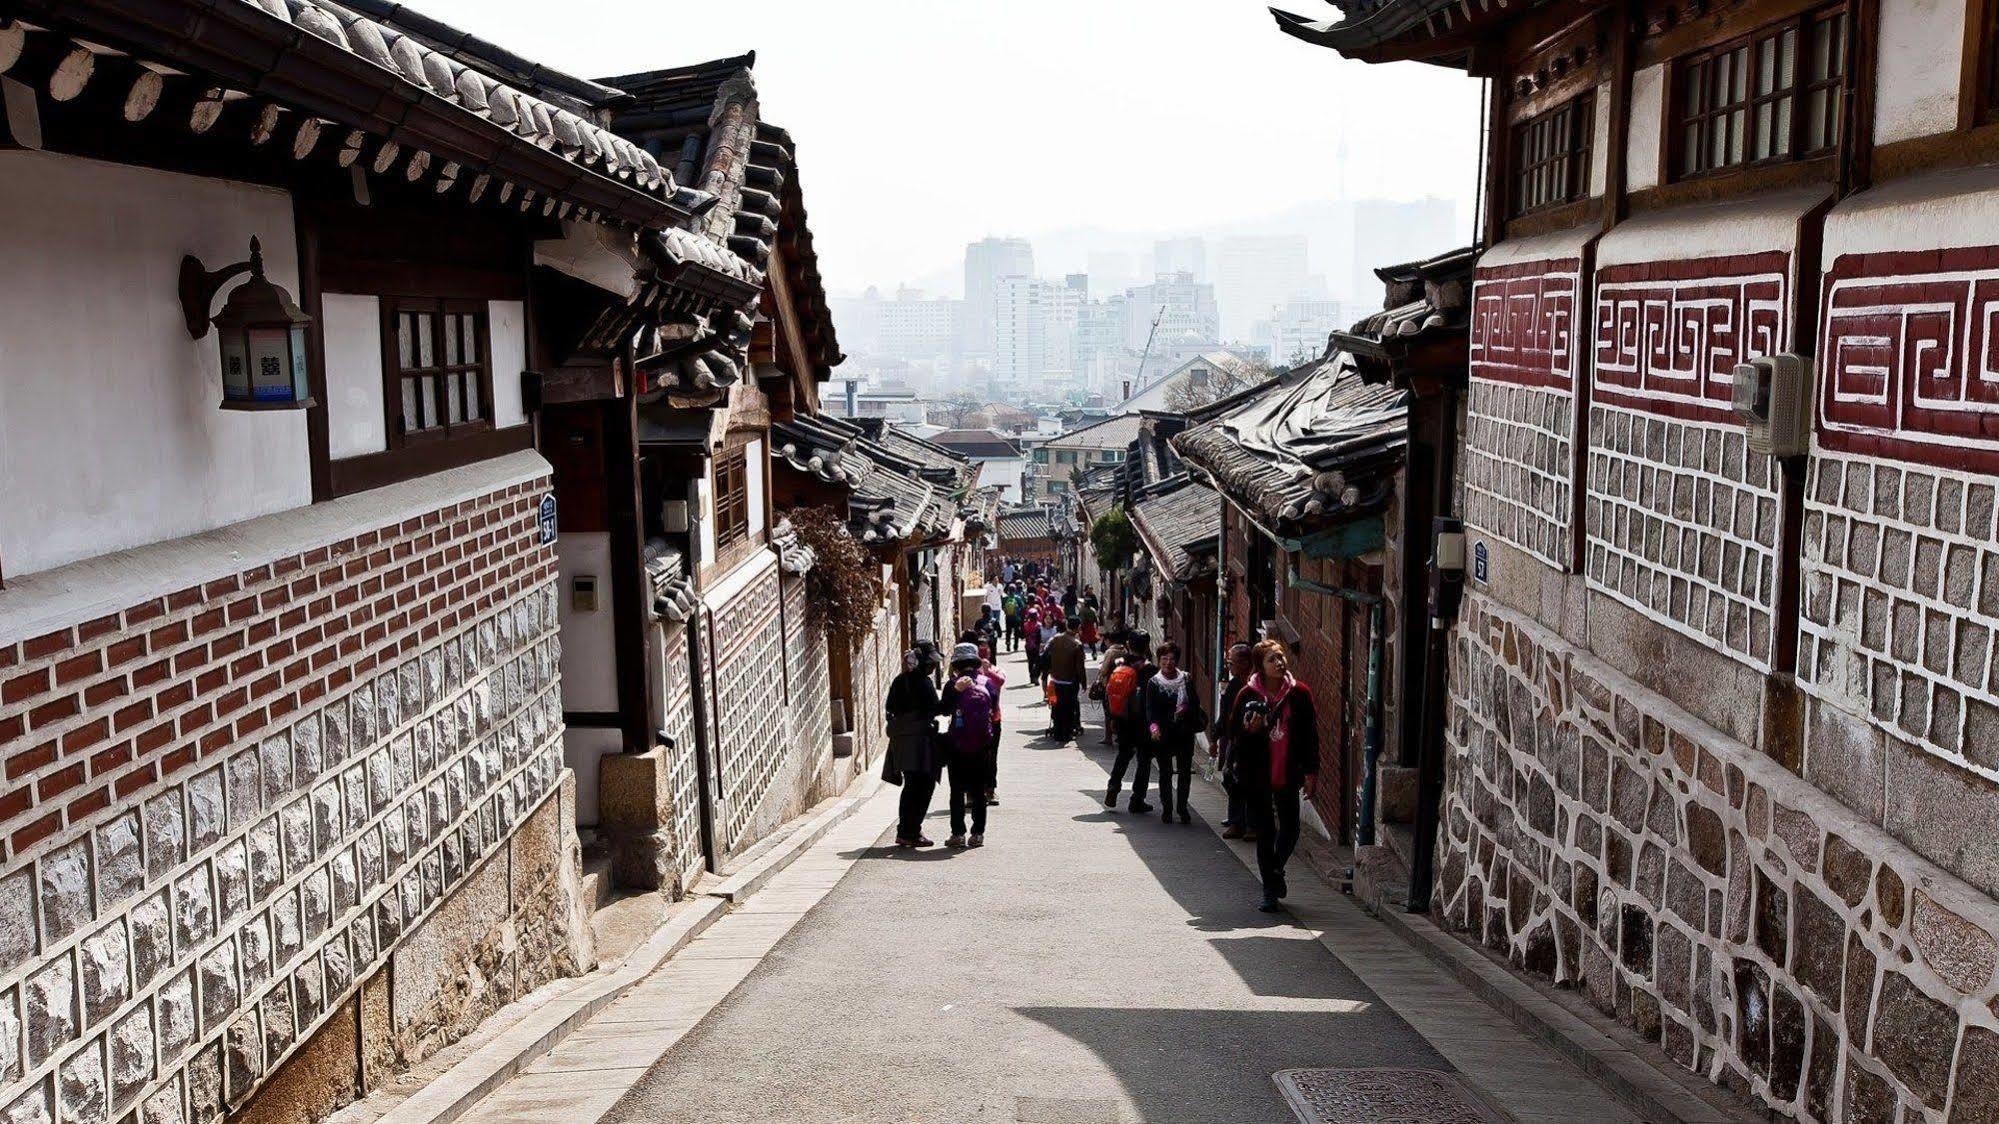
(1274, 734)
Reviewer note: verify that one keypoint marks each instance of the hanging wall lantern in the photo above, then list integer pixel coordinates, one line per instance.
(261, 331)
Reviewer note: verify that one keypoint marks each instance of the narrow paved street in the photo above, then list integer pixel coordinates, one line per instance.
(1083, 966)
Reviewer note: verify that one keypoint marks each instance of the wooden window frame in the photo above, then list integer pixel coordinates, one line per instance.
(732, 497)
(1575, 119)
(1682, 71)
(393, 374)
(1980, 78)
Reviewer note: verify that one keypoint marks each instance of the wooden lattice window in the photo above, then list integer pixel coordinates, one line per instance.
(732, 497)
(1773, 95)
(438, 368)
(1551, 156)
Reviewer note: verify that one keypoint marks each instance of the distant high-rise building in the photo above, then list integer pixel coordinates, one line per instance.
(1034, 333)
(987, 262)
(1297, 332)
(1185, 308)
(1079, 282)
(914, 328)
(1254, 274)
(1113, 271)
(1391, 232)
(1180, 255)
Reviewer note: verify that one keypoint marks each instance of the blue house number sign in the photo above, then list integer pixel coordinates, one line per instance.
(1481, 562)
(544, 519)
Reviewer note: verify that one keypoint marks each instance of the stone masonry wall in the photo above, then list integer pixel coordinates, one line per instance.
(1516, 471)
(1759, 931)
(744, 643)
(226, 808)
(685, 773)
(1681, 522)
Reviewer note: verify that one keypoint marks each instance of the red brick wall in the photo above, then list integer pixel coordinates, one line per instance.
(265, 782)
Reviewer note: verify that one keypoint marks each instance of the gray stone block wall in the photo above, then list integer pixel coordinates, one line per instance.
(1901, 603)
(1516, 469)
(745, 644)
(1762, 933)
(1681, 524)
(318, 755)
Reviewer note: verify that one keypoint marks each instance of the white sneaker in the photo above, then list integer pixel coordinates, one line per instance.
(976, 841)
(957, 841)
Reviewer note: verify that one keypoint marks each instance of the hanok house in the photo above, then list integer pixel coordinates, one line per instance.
(1333, 482)
(1178, 524)
(1723, 746)
(698, 698)
(285, 804)
(1030, 534)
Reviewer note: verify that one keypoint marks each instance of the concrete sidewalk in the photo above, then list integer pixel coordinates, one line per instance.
(1084, 966)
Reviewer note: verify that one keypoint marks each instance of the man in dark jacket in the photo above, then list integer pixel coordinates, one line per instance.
(1066, 668)
(1236, 826)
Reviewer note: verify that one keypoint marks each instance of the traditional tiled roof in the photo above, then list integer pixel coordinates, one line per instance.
(1110, 433)
(1039, 522)
(380, 87)
(977, 443)
(1371, 24)
(672, 587)
(1428, 304)
(941, 466)
(819, 446)
(890, 498)
(792, 552)
(1179, 524)
(1311, 445)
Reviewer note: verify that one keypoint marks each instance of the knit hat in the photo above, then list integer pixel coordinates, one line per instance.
(964, 653)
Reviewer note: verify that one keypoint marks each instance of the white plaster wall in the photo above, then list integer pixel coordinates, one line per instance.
(1648, 114)
(753, 481)
(1762, 222)
(589, 654)
(507, 332)
(1599, 149)
(1928, 212)
(1004, 473)
(1917, 68)
(355, 421)
(1554, 245)
(111, 435)
(582, 749)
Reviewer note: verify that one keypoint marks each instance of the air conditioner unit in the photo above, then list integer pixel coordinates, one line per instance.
(1773, 397)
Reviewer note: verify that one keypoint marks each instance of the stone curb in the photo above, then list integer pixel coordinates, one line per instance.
(1620, 1062)
(458, 1090)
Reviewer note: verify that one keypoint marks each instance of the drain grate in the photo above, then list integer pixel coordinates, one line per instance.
(1382, 1096)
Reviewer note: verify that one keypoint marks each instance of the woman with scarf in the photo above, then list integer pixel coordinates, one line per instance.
(913, 760)
(1274, 737)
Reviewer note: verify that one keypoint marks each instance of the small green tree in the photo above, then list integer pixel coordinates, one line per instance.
(1113, 539)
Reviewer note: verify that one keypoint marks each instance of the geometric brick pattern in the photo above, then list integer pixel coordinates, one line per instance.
(684, 775)
(1901, 602)
(746, 638)
(808, 691)
(1517, 466)
(1762, 934)
(876, 663)
(1681, 519)
(226, 805)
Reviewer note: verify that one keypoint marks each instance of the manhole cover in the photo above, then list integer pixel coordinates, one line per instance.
(1382, 1096)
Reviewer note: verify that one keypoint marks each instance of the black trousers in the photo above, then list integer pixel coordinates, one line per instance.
(1176, 756)
(1133, 745)
(1068, 717)
(970, 778)
(1012, 636)
(914, 804)
(1273, 815)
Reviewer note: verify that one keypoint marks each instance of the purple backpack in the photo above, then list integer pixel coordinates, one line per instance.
(972, 719)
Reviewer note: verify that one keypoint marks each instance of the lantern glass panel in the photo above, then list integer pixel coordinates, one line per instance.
(301, 366)
(270, 364)
(235, 367)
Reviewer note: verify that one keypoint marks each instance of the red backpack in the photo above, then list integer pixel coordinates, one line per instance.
(1118, 691)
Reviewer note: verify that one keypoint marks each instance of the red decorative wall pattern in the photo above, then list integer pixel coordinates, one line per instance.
(1910, 357)
(1669, 333)
(1523, 323)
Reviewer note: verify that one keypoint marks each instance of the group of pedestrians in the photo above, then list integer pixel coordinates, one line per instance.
(966, 750)
(1264, 734)
(1264, 737)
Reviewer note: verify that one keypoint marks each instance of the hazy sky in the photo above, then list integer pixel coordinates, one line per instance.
(924, 125)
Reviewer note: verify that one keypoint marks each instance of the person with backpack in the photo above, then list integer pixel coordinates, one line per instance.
(912, 758)
(995, 683)
(1131, 734)
(968, 742)
(1274, 735)
(1173, 716)
(1010, 608)
(1236, 825)
(1100, 687)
